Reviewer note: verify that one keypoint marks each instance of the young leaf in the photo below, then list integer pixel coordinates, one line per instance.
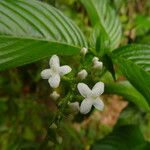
(102, 14)
(32, 30)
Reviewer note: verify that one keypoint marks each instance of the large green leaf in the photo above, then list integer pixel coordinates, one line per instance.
(31, 30)
(139, 54)
(139, 78)
(134, 62)
(15, 51)
(126, 90)
(102, 14)
(123, 138)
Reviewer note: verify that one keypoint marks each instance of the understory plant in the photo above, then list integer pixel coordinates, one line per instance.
(81, 68)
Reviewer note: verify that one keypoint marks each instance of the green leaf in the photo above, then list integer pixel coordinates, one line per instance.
(16, 51)
(129, 93)
(31, 30)
(130, 115)
(102, 14)
(134, 62)
(137, 53)
(127, 137)
(137, 77)
(142, 24)
(144, 39)
(107, 60)
(99, 41)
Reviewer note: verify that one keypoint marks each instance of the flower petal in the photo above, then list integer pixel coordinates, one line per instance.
(86, 106)
(98, 104)
(54, 81)
(54, 61)
(84, 90)
(98, 89)
(64, 70)
(46, 74)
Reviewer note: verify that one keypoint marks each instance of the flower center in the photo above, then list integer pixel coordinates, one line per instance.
(55, 70)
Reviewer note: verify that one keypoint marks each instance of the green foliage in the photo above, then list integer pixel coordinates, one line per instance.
(142, 25)
(136, 53)
(102, 14)
(126, 90)
(31, 30)
(138, 78)
(122, 138)
(134, 62)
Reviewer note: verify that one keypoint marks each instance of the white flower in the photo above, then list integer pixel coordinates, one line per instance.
(55, 95)
(55, 72)
(96, 63)
(84, 51)
(74, 106)
(92, 97)
(82, 74)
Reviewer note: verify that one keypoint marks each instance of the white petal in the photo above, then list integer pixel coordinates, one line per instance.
(84, 90)
(54, 61)
(98, 104)
(98, 89)
(54, 81)
(46, 74)
(86, 106)
(64, 70)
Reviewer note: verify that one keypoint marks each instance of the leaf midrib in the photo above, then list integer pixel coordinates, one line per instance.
(38, 39)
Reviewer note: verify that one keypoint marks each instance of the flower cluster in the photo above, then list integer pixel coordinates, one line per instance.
(91, 97)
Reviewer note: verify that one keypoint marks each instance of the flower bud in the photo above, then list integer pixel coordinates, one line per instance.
(74, 106)
(98, 65)
(59, 139)
(82, 74)
(84, 51)
(95, 59)
(55, 95)
(53, 126)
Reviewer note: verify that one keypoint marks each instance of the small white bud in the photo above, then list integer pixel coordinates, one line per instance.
(55, 95)
(95, 59)
(84, 51)
(98, 65)
(74, 106)
(53, 126)
(59, 139)
(82, 74)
